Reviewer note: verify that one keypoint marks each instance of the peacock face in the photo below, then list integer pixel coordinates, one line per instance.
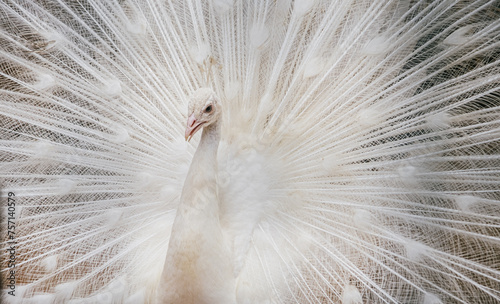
(203, 111)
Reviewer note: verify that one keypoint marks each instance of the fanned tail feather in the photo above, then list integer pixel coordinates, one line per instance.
(359, 160)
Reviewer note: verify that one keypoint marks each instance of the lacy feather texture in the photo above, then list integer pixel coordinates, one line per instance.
(356, 159)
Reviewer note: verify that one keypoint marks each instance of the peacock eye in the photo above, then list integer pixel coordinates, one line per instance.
(208, 109)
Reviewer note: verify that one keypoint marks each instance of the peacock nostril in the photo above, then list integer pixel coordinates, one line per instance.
(191, 121)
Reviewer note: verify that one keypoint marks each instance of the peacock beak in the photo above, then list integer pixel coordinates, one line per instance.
(192, 127)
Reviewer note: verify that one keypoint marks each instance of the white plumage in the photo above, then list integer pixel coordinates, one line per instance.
(358, 159)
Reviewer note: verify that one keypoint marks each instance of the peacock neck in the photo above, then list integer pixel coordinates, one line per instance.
(207, 148)
(201, 178)
(196, 267)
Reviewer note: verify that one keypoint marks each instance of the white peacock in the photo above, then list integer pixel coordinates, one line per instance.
(350, 151)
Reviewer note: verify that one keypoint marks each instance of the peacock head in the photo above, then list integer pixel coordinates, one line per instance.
(204, 109)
